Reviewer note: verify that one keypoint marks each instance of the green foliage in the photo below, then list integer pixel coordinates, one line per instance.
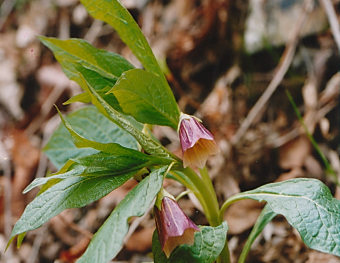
(71, 192)
(264, 218)
(113, 13)
(148, 144)
(208, 245)
(95, 156)
(142, 95)
(107, 242)
(71, 52)
(308, 206)
(88, 122)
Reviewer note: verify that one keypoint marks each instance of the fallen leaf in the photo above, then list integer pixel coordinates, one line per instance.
(140, 241)
(294, 153)
(242, 215)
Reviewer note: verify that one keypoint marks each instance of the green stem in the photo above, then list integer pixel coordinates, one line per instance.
(230, 201)
(147, 131)
(183, 194)
(208, 201)
(224, 257)
(207, 181)
(329, 168)
(207, 197)
(184, 180)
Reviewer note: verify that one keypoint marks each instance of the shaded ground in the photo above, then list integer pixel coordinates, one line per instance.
(202, 43)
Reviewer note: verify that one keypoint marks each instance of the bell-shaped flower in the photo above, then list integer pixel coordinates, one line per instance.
(173, 226)
(196, 141)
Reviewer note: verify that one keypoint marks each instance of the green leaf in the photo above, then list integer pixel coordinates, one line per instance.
(149, 145)
(108, 240)
(208, 245)
(308, 206)
(113, 13)
(71, 192)
(89, 123)
(101, 68)
(141, 94)
(120, 160)
(264, 218)
(70, 169)
(101, 84)
(79, 52)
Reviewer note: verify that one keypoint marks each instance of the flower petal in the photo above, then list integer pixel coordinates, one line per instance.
(173, 226)
(196, 141)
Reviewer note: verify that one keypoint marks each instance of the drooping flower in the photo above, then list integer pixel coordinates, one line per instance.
(173, 226)
(196, 141)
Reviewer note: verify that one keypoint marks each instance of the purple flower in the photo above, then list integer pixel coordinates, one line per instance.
(173, 226)
(197, 142)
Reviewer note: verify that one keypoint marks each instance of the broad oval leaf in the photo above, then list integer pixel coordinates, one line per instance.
(141, 94)
(308, 206)
(91, 124)
(208, 245)
(108, 240)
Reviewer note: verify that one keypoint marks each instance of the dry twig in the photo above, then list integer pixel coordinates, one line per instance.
(333, 21)
(281, 70)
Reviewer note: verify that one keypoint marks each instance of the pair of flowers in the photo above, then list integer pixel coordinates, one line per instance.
(173, 226)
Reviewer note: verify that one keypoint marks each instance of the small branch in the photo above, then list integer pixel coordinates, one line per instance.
(137, 222)
(75, 227)
(94, 31)
(37, 244)
(281, 70)
(5, 9)
(333, 21)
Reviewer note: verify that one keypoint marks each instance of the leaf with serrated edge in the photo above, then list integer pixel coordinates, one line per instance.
(108, 240)
(308, 206)
(113, 13)
(90, 123)
(141, 94)
(72, 192)
(208, 245)
(266, 215)
(149, 145)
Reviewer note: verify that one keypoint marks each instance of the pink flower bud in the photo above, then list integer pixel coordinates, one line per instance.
(197, 142)
(173, 226)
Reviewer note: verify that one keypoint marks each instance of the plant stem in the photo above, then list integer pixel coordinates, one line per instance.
(207, 196)
(211, 212)
(230, 201)
(206, 179)
(224, 257)
(184, 180)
